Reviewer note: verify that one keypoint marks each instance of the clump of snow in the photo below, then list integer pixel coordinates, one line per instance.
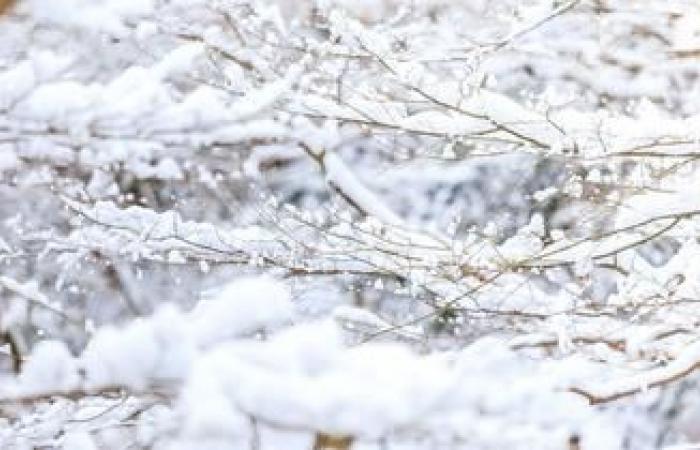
(8, 158)
(78, 440)
(242, 307)
(52, 367)
(102, 15)
(154, 349)
(163, 347)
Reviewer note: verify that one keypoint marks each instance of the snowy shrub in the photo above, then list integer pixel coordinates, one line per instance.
(331, 224)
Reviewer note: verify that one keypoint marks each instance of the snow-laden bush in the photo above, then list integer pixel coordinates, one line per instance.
(334, 224)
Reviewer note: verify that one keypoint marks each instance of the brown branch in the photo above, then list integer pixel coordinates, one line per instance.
(687, 363)
(111, 391)
(15, 350)
(6, 6)
(619, 344)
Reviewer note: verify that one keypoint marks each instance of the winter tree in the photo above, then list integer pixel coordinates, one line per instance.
(334, 224)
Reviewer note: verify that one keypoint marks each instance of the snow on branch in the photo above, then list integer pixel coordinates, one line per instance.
(687, 362)
(354, 192)
(523, 212)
